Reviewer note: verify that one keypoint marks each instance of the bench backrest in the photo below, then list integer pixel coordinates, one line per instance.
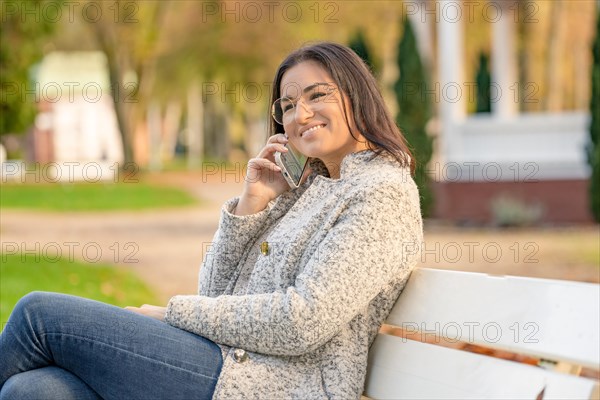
(553, 320)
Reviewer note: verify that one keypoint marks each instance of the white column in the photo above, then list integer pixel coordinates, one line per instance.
(505, 83)
(451, 77)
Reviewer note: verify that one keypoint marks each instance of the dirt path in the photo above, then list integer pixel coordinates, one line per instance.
(568, 253)
(165, 247)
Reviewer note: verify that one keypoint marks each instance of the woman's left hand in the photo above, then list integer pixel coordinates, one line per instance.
(148, 310)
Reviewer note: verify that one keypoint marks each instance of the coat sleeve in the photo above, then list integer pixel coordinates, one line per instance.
(223, 255)
(371, 244)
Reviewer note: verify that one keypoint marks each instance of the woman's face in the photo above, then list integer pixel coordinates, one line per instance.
(318, 127)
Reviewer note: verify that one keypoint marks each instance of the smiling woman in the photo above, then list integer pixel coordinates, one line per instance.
(318, 127)
(353, 98)
(292, 291)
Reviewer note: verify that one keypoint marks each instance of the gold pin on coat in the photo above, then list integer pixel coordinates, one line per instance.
(264, 248)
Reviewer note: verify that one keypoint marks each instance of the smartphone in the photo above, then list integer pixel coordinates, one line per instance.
(292, 164)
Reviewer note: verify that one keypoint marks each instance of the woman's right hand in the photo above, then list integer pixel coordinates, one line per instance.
(264, 181)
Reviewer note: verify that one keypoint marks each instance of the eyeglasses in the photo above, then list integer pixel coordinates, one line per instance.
(313, 97)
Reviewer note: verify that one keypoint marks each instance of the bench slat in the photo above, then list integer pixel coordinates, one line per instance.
(552, 319)
(405, 369)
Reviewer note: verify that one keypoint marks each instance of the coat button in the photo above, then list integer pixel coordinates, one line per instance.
(264, 248)
(240, 355)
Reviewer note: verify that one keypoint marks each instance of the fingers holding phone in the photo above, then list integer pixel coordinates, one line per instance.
(293, 165)
(291, 162)
(264, 181)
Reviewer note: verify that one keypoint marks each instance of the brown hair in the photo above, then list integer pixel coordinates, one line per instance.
(353, 78)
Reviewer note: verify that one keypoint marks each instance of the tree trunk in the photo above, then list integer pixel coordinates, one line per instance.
(117, 89)
(154, 136)
(195, 126)
(170, 129)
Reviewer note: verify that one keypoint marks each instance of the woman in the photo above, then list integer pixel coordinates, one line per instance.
(295, 286)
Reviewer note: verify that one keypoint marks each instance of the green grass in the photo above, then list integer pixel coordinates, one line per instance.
(21, 274)
(92, 196)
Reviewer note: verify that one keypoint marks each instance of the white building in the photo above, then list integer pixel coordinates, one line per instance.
(536, 159)
(77, 114)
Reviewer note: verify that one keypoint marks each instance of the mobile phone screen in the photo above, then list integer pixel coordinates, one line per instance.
(295, 163)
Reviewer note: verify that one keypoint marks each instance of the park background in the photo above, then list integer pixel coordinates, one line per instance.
(126, 124)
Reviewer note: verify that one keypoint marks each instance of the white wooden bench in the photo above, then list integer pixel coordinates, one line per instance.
(557, 322)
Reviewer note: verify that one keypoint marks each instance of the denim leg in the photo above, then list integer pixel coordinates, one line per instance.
(46, 383)
(117, 353)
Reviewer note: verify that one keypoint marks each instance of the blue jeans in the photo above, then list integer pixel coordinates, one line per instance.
(56, 346)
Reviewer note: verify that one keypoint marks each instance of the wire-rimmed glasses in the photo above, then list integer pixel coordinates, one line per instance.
(313, 97)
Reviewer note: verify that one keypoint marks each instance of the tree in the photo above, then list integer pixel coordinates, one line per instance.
(21, 35)
(130, 42)
(414, 110)
(484, 82)
(359, 45)
(594, 145)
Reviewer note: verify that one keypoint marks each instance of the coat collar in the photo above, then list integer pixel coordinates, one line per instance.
(352, 165)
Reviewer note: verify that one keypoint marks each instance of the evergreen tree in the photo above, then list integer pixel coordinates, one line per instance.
(359, 45)
(414, 110)
(594, 146)
(484, 82)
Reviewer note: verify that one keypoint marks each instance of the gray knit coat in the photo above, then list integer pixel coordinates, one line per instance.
(338, 258)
